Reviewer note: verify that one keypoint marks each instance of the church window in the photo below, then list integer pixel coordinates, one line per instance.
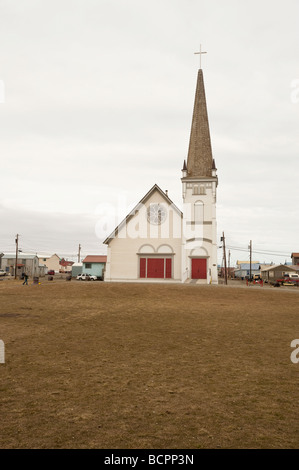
(195, 189)
(156, 214)
(202, 190)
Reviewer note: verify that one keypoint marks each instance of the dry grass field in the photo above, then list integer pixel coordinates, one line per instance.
(127, 366)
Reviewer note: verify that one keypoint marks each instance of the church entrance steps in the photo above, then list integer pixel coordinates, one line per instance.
(201, 282)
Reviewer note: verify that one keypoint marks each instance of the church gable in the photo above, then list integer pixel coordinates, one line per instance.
(155, 216)
(147, 243)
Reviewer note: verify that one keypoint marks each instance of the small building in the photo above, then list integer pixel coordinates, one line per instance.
(65, 266)
(243, 270)
(295, 258)
(94, 265)
(77, 269)
(27, 263)
(42, 270)
(275, 272)
(50, 261)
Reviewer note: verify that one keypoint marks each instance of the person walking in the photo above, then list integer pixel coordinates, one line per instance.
(25, 279)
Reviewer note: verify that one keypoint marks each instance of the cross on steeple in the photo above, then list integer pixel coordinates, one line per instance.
(200, 54)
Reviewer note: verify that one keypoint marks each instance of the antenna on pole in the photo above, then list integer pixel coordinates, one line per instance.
(224, 258)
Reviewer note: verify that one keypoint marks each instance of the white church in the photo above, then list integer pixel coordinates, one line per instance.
(157, 242)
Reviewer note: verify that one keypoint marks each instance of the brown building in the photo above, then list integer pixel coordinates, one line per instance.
(295, 258)
(275, 272)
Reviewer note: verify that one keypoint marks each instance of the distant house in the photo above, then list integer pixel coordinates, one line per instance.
(295, 258)
(277, 271)
(94, 265)
(77, 269)
(65, 266)
(243, 270)
(50, 261)
(27, 263)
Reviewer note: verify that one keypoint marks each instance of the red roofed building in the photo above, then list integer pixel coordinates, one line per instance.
(65, 266)
(94, 265)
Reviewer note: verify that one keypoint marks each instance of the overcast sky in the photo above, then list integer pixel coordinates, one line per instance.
(96, 101)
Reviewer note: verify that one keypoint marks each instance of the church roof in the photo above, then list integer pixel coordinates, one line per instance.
(137, 208)
(200, 159)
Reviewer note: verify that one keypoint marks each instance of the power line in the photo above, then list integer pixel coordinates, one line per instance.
(272, 253)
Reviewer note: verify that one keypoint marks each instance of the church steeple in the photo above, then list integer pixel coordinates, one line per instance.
(199, 191)
(200, 159)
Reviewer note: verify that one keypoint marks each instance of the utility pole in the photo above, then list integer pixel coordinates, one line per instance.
(224, 258)
(79, 253)
(17, 251)
(250, 257)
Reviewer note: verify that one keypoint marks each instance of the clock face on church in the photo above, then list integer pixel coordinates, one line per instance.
(156, 214)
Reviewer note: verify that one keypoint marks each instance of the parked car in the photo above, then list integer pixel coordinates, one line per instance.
(86, 277)
(2, 273)
(289, 279)
(51, 272)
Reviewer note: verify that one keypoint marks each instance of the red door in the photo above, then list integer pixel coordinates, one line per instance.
(142, 267)
(155, 268)
(168, 268)
(199, 269)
